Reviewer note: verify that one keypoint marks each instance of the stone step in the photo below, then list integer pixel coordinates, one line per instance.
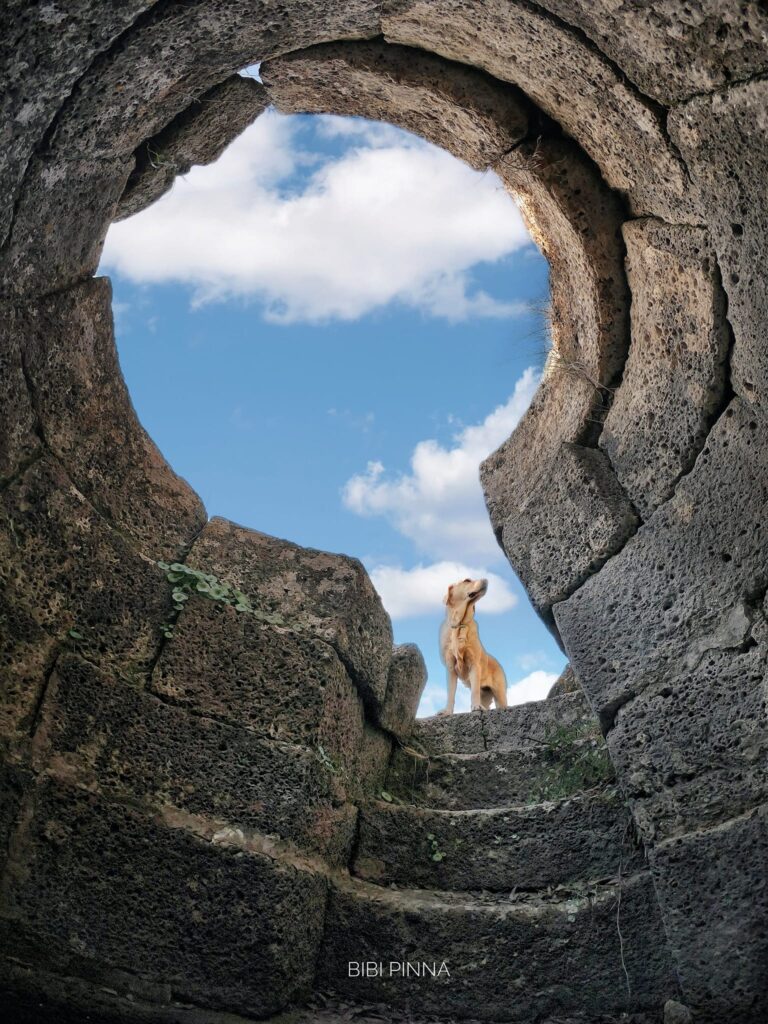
(524, 847)
(570, 762)
(598, 950)
(515, 728)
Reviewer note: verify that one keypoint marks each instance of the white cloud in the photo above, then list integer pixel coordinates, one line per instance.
(439, 504)
(316, 237)
(420, 591)
(534, 686)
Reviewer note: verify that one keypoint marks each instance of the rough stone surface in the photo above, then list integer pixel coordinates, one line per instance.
(327, 596)
(693, 751)
(576, 221)
(405, 685)
(19, 436)
(116, 601)
(527, 847)
(674, 380)
(515, 728)
(87, 420)
(199, 135)
(686, 583)
(722, 138)
(60, 222)
(712, 883)
(105, 883)
(553, 556)
(286, 686)
(44, 49)
(104, 734)
(572, 82)
(512, 945)
(672, 51)
(453, 106)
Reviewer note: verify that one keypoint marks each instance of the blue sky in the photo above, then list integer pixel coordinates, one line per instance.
(325, 332)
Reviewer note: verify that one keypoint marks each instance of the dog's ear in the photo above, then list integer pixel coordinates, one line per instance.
(449, 594)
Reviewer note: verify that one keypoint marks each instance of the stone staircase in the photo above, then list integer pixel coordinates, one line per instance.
(502, 848)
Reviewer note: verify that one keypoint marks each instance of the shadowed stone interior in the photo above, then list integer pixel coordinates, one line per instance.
(189, 817)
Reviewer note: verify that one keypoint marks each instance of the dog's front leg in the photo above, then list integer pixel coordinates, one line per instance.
(474, 689)
(452, 679)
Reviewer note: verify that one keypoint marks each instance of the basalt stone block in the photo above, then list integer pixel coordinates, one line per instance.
(519, 727)
(721, 138)
(564, 409)
(568, 78)
(107, 883)
(452, 105)
(86, 416)
(178, 53)
(713, 893)
(43, 51)
(323, 595)
(675, 376)
(19, 437)
(577, 516)
(69, 578)
(405, 685)
(286, 686)
(693, 753)
(102, 733)
(62, 215)
(14, 781)
(576, 221)
(686, 583)
(669, 51)
(373, 761)
(199, 135)
(511, 943)
(528, 847)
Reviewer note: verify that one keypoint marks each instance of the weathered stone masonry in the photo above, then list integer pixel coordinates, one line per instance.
(177, 822)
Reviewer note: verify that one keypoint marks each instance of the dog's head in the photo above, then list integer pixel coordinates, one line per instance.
(461, 596)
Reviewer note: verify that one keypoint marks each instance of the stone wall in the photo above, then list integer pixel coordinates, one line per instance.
(631, 499)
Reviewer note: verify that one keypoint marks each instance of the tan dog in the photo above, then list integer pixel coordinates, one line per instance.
(464, 656)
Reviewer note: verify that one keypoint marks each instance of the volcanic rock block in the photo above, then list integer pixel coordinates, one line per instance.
(110, 884)
(283, 685)
(88, 421)
(199, 135)
(722, 138)
(74, 200)
(693, 752)
(568, 78)
(576, 221)
(323, 595)
(553, 552)
(44, 49)
(510, 941)
(405, 685)
(686, 583)
(19, 438)
(515, 728)
(713, 894)
(373, 761)
(65, 571)
(452, 105)
(674, 379)
(669, 51)
(103, 733)
(528, 847)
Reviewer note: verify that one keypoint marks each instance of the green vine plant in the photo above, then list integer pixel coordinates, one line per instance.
(188, 582)
(436, 854)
